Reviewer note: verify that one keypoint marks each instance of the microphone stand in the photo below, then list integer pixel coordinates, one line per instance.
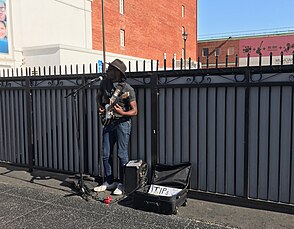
(83, 190)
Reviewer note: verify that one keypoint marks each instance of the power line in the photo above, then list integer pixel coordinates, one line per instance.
(253, 30)
(248, 32)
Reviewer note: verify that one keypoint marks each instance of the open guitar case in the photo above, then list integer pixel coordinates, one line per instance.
(166, 177)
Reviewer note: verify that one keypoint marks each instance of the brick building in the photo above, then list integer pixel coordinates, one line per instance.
(146, 29)
(242, 46)
(67, 32)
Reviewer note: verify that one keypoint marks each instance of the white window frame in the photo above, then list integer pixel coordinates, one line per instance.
(183, 29)
(122, 38)
(121, 6)
(183, 11)
(231, 51)
(183, 53)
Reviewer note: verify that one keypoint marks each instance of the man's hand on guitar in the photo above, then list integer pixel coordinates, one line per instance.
(118, 109)
(101, 110)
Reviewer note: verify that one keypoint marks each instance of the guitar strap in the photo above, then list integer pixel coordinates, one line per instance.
(122, 85)
(108, 117)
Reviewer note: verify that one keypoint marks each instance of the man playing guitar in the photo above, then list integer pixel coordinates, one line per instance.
(117, 103)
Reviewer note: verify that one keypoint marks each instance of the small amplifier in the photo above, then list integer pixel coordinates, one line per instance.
(135, 175)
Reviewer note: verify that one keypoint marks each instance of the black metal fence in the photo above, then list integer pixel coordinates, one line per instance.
(235, 125)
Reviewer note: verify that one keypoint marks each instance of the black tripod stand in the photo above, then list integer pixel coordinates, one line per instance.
(80, 184)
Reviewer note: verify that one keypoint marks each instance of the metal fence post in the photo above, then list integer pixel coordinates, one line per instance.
(154, 119)
(29, 124)
(246, 134)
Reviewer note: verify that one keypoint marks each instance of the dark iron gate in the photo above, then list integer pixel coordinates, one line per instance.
(235, 125)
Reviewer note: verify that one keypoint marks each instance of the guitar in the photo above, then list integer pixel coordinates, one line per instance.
(109, 113)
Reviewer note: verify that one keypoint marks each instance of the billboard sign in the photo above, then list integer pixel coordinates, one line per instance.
(267, 45)
(3, 27)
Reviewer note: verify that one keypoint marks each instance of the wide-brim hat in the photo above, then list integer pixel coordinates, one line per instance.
(119, 65)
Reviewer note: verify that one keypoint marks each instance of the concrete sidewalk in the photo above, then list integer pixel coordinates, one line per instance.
(45, 200)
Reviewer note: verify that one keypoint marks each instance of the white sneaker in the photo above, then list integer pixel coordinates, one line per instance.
(105, 186)
(119, 190)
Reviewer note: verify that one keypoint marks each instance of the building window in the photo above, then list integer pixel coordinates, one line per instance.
(216, 52)
(183, 53)
(183, 11)
(183, 29)
(205, 51)
(121, 6)
(231, 51)
(164, 56)
(122, 38)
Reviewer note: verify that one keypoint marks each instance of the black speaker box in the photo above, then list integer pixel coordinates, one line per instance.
(135, 175)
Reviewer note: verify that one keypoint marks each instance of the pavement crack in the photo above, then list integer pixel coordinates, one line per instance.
(23, 215)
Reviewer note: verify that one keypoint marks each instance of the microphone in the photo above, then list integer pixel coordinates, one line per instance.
(116, 93)
(88, 84)
(97, 79)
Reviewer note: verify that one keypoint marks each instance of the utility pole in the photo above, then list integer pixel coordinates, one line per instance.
(219, 46)
(103, 39)
(213, 51)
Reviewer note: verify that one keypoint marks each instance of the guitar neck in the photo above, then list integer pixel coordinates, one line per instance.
(118, 99)
(111, 106)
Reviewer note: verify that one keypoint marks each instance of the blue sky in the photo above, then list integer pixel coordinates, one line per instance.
(224, 18)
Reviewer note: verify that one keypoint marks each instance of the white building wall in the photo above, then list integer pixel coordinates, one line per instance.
(52, 33)
(37, 28)
(47, 22)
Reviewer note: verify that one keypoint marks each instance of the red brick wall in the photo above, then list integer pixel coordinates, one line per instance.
(223, 51)
(152, 28)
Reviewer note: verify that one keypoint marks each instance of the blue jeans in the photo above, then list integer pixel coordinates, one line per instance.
(119, 134)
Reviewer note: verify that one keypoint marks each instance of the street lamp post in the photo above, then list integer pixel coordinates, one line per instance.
(103, 39)
(184, 35)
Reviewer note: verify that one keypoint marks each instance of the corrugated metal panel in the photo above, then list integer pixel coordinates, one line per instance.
(200, 125)
(271, 143)
(201, 119)
(13, 133)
